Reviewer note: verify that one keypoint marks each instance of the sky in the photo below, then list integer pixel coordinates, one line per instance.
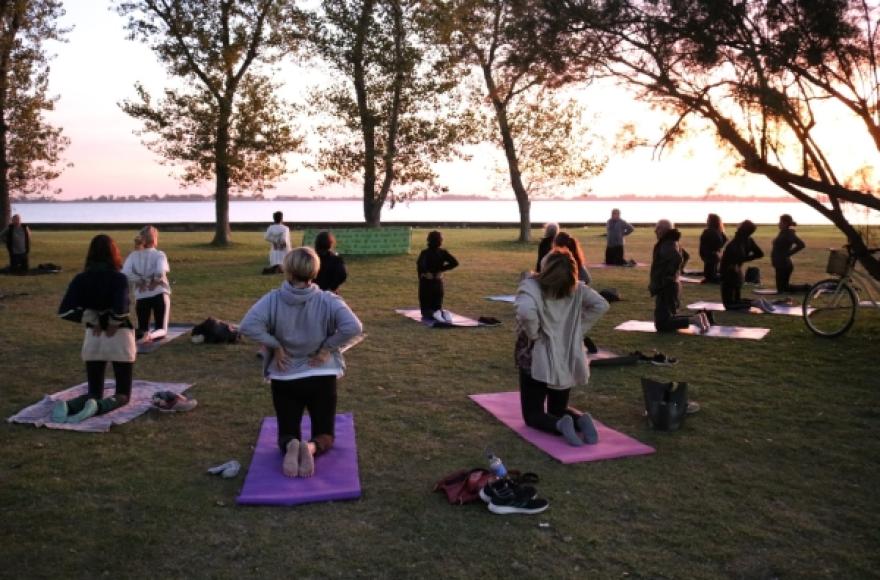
(98, 67)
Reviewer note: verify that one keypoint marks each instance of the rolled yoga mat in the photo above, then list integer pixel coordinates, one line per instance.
(612, 444)
(509, 298)
(457, 319)
(715, 331)
(174, 330)
(607, 358)
(336, 471)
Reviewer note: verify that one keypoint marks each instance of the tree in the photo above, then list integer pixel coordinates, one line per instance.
(30, 148)
(541, 138)
(767, 74)
(393, 112)
(224, 120)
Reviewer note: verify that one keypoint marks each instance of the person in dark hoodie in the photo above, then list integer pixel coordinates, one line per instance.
(98, 298)
(304, 330)
(665, 285)
(741, 249)
(333, 273)
(18, 244)
(431, 264)
(546, 243)
(712, 241)
(786, 245)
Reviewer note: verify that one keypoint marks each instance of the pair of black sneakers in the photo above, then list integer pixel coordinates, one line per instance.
(514, 496)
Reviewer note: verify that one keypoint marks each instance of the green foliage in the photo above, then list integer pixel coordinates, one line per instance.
(769, 76)
(774, 478)
(30, 147)
(393, 106)
(224, 120)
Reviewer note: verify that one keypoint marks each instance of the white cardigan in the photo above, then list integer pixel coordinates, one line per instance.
(557, 327)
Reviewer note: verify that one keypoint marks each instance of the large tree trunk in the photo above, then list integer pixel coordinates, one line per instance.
(7, 44)
(519, 190)
(222, 231)
(372, 203)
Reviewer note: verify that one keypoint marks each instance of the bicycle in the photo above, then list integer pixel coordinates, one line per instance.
(830, 305)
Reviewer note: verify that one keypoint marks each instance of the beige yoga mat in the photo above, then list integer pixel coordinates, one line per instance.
(715, 331)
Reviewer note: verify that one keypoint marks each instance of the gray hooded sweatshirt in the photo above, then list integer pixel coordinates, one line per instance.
(557, 327)
(302, 320)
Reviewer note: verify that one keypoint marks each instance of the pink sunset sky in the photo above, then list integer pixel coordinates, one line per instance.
(98, 67)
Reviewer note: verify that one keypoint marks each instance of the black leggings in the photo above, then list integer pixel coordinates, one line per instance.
(533, 394)
(430, 296)
(158, 307)
(315, 394)
(95, 370)
(731, 292)
(666, 304)
(710, 268)
(614, 255)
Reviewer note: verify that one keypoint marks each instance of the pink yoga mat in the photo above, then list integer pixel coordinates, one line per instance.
(336, 472)
(612, 444)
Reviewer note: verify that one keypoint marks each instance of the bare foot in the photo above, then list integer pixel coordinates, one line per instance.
(306, 460)
(290, 466)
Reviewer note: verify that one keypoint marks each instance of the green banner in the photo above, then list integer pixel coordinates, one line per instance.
(351, 241)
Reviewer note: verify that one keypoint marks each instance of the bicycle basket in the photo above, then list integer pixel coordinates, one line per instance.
(838, 262)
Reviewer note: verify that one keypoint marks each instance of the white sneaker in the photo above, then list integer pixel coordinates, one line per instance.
(703, 322)
(443, 316)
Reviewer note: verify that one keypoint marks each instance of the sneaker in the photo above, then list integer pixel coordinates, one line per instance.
(443, 316)
(502, 487)
(710, 316)
(227, 470)
(518, 503)
(59, 412)
(661, 360)
(766, 306)
(703, 323)
(693, 407)
(168, 402)
(88, 410)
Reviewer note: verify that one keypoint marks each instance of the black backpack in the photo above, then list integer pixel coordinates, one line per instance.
(216, 331)
(666, 404)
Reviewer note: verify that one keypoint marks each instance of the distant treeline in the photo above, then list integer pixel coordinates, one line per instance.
(173, 197)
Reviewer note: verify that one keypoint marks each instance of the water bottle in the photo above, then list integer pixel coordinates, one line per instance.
(495, 465)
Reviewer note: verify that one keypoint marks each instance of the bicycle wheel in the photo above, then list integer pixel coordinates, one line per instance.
(830, 308)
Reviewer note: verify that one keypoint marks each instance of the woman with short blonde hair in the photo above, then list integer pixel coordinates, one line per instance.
(304, 330)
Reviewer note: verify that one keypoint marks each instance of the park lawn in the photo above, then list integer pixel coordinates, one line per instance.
(775, 478)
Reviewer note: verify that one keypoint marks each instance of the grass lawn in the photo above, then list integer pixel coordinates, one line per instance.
(777, 477)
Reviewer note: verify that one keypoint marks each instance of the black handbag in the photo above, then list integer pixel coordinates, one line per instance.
(666, 404)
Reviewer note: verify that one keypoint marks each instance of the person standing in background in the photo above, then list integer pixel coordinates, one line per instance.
(18, 243)
(786, 245)
(278, 236)
(546, 243)
(147, 270)
(616, 229)
(431, 264)
(333, 273)
(712, 241)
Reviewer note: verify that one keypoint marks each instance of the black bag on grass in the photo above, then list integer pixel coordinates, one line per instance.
(216, 331)
(666, 404)
(753, 275)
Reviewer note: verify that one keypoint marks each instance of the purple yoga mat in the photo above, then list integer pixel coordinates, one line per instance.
(612, 444)
(336, 472)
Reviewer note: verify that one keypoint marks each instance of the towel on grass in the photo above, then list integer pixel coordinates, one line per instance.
(39, 414)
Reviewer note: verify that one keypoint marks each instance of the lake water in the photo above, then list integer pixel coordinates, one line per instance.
(305, 212)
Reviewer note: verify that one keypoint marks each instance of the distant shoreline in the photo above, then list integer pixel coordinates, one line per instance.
(453, 198)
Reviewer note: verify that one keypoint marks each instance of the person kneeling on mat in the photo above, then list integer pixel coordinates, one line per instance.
(98, 298)
(665, 284)
(741, 249)
(431, 264)
(302, 328)
(553, 312)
